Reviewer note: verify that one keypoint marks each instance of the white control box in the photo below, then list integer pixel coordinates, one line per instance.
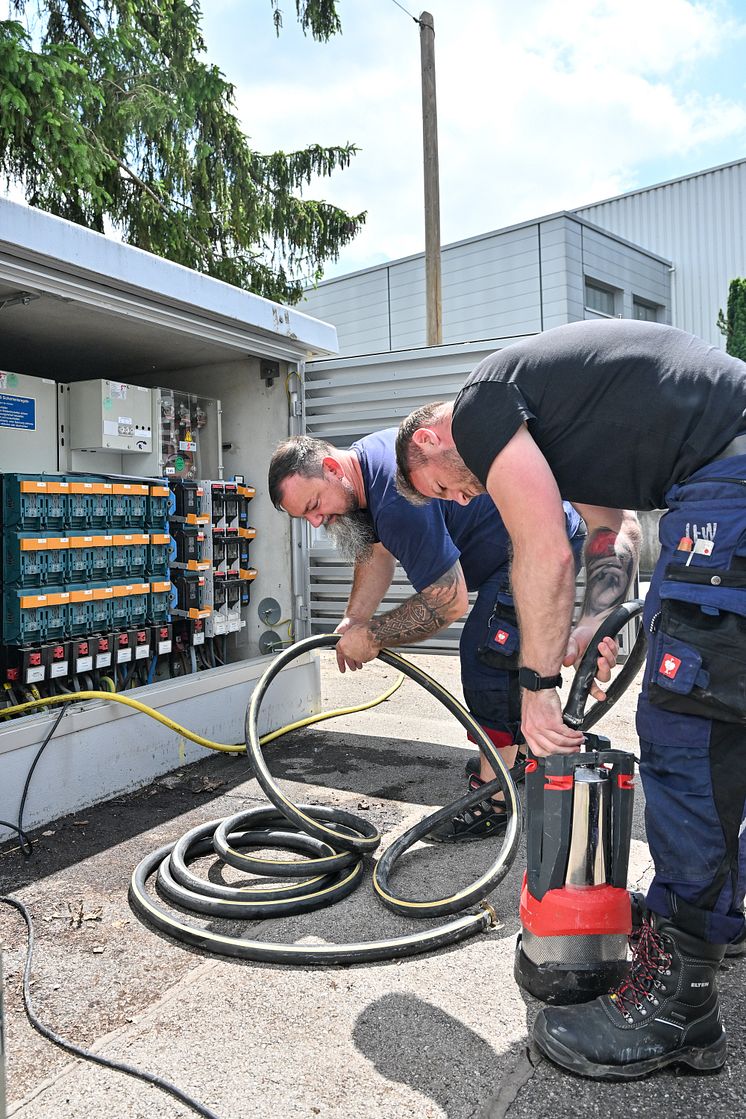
(110, 416)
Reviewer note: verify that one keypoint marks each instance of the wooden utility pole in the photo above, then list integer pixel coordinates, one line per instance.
(432, 189)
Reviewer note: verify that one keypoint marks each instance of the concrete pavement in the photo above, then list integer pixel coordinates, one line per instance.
(441, 1035)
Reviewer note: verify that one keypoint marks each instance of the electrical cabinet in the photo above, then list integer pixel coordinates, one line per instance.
(110, 416)
(28, 421)
(83, 559)
(188, 435)
(95, 563)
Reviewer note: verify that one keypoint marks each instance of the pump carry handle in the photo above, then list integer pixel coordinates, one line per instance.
(586, 672)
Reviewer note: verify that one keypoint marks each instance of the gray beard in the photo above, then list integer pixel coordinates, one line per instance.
(353, 536)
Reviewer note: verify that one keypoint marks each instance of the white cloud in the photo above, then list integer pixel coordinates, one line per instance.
(542, 106)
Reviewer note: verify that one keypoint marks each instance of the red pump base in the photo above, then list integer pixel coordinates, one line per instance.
(573, 944)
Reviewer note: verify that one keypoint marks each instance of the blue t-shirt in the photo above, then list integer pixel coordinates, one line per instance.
(428, 539)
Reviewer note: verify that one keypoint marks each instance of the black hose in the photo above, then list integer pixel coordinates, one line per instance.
(579, 691)
(26, 848)
(342, 839)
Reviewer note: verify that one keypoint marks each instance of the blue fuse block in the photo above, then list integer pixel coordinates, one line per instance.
(90, 609)
(30, 617)
(33, 561)
(159, 499)
(89, 503)
(24, 502)
(159, 551)
(159, 605)
(130, 604)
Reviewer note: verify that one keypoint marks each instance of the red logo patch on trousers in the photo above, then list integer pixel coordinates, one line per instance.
(670, 665)
(501, 637)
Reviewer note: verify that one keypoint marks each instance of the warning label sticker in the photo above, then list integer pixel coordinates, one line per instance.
(18, 411)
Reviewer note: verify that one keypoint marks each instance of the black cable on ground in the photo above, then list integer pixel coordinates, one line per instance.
(26, 848)
(335, 867)
(79, 1051)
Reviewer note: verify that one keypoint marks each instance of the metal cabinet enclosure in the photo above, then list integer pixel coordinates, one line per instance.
(76, 306)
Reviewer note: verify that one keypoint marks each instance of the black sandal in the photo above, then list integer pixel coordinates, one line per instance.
(481, 821)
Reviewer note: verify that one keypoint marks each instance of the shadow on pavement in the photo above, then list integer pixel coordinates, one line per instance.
(412, 1042)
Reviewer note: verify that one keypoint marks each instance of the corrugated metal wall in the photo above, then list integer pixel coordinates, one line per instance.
(351, 397)
(697, 222)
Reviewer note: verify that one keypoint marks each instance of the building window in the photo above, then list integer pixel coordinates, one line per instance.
(643, 309)
(599, 298)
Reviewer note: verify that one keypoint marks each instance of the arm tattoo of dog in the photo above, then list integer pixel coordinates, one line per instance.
(420, 616)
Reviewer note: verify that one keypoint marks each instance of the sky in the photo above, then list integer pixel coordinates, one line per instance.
(543, 105)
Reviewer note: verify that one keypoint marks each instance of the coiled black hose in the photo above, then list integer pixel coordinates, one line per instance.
(336, 841)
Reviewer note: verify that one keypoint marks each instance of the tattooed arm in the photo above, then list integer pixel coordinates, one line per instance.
(418, 617)
(370, 582)
(612, 553)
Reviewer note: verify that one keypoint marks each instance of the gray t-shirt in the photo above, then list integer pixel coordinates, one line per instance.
(621, 409)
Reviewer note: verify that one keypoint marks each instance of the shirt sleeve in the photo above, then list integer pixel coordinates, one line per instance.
(418, 537)
(486, 416)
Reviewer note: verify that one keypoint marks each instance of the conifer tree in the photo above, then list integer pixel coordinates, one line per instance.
(112, 118)
(733, 323)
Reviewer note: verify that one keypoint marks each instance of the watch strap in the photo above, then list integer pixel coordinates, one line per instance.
(530, 679)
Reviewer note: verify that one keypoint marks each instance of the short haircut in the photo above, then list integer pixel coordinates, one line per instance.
(408, 455)
(301, 454)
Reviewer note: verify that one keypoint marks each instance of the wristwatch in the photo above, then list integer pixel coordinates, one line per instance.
(529, 679)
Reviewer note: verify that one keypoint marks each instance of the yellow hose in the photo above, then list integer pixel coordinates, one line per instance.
(240, 747)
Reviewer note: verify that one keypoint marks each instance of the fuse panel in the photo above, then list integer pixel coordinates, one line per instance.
(210, 569)
(227, 537)
(85, 566)
(117, 581)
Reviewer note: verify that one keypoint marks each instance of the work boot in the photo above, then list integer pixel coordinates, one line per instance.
(481, 821)
(734, 950)
(666, 1011)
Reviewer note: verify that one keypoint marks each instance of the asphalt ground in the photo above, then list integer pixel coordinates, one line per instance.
(443, 1034)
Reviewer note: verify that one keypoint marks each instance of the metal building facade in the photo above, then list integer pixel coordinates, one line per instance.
(497, 289)
(699, 223)
(511, 282)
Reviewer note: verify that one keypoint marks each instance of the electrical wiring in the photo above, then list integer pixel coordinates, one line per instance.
(26, 848)
(192, 736)
(127, 701)
(107, 1062)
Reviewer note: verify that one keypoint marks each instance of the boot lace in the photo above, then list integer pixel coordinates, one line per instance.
(645, 980)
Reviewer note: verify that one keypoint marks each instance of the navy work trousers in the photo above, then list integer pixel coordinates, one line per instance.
(490, 691)
(691, 715)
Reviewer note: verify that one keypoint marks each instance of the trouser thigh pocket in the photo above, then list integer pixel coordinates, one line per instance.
(698, 649)
(501, 646)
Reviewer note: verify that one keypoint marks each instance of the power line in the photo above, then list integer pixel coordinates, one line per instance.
(405, 10)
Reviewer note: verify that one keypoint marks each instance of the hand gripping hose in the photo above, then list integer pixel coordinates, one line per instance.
(335, 843)
(586, 671)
